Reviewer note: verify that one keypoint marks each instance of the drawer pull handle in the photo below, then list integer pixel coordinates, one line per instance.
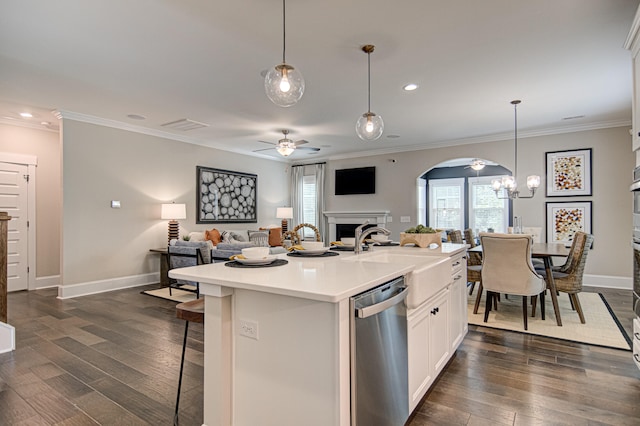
(457, 263)
(460, 276)
(637, 357)
(636, 335)
(435, 311)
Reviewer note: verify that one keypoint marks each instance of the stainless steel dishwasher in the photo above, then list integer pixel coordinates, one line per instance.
(379, 377)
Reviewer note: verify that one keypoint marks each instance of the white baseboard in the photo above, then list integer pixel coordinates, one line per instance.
(93, 287)
(47, 282)
(623, 283)
(7, 338)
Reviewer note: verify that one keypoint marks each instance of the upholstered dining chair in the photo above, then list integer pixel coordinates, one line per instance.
(455, 236)
(568, 277)
(474, 261)
(187, 253)
(507, 268)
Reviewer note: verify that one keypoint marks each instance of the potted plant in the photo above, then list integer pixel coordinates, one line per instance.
(421, 236)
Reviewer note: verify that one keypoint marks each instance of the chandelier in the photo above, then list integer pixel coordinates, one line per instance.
(507, 187)
(283, 83)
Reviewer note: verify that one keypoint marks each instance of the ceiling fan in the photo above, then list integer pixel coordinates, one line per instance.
(286, 146)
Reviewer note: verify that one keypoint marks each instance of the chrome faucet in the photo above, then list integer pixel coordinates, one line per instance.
(361, 235)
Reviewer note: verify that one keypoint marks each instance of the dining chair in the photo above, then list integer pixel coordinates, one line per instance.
(455, 236)
(507, 268)
(568, 277)
(474, 261)
(184, 254)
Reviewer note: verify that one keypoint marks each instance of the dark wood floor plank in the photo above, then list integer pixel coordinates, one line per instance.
(113, 359)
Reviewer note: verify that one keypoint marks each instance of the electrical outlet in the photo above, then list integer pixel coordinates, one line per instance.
(249, 329)
(405, 219)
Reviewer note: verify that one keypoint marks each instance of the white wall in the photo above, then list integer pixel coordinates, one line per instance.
(612, 166)
(109, 246)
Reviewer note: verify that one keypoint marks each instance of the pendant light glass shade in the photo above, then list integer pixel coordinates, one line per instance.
(369, 126)
(283, 83)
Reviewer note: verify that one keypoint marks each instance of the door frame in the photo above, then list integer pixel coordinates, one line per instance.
(31, 161)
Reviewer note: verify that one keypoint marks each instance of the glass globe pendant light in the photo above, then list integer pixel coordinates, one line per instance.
(283, 83)
(370, 126)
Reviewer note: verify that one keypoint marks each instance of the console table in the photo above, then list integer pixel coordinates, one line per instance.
(164, 265)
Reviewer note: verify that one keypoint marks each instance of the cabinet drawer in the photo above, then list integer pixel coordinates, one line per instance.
(636, 342)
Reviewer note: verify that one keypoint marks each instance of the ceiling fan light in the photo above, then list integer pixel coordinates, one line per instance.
(369, 126)
(477, 164)
(286, 148)
(284, 85)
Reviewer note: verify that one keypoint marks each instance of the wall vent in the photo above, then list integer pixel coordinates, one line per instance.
(184, 124)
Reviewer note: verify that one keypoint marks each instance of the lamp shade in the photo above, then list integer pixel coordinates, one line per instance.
(284, 213)
(173, 211)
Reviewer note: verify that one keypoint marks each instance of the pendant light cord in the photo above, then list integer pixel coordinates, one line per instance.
(515, 114)
(284, 30)
(369, 79)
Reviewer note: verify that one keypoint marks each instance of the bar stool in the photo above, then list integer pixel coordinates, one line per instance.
(192, 310)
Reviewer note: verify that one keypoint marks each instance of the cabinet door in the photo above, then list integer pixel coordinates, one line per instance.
(458, 309)
(636, 103)
(418, 355)
(439, 324)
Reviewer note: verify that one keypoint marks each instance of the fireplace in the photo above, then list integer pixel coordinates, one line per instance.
(344, 223)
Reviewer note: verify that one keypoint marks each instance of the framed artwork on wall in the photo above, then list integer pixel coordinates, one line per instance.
(564, 219)
(224, 196)
(568, 173)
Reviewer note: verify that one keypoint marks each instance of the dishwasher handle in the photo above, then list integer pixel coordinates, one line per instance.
(368, 311)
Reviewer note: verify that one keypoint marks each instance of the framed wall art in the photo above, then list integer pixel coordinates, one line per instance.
(568, 173)
(565, 219)
(224, 196)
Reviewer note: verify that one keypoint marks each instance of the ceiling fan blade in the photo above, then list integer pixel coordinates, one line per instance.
(270, 143)
(263, 149)
(308, 148)
(300, 142)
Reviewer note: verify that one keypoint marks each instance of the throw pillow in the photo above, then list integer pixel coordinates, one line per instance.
(275, 237)
(259, 238)
(213, 236)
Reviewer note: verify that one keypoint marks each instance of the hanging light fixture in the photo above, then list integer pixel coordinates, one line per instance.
(285, 145)
(369, 127)
(283, 83)
(477, 164)
(507, 187)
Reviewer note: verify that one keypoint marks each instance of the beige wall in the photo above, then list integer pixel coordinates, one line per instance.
(44, 145)
(141, 171)
(613, 163)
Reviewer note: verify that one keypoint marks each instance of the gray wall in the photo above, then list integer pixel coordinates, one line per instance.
(141, 171)
(612, 165)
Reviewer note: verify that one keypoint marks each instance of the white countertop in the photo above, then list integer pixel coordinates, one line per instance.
(327, 279)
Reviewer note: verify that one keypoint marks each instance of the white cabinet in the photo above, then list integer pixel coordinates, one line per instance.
(435, 330)
(459, 323)
(633, 44)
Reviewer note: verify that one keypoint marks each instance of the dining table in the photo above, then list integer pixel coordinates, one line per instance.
(544, 251)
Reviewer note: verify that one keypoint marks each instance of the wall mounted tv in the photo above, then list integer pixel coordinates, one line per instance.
(356, 181)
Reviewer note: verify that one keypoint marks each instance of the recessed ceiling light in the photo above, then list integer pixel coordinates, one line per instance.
(409, 87)
(136, 117)
(574, 117)
(45, 123)
(26, 115)
(393, 136)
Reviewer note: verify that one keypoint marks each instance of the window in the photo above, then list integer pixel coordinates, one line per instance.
(309, 204)
(446, 203)
(486, 211)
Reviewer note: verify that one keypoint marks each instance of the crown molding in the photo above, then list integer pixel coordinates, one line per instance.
(27, 124)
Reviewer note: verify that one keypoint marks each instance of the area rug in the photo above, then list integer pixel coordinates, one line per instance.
(176, 295)
(602, 328)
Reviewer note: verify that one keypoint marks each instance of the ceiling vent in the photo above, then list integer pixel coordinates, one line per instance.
(184, 125)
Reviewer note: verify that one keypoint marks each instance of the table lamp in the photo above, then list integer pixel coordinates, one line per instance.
(173, 212)
(284, 213)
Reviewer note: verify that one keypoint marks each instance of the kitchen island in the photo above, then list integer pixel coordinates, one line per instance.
(277, 339)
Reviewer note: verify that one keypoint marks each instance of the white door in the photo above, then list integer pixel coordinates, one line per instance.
(13, 200)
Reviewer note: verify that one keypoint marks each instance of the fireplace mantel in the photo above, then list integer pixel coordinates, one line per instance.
(378, 217)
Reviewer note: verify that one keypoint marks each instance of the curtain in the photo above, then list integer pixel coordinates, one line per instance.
(320, 219)
(297, 177)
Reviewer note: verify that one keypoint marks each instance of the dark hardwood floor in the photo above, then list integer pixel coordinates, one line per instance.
(113, 359)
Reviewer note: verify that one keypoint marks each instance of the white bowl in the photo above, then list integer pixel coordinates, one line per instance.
(255, 252)
(312, 245)
(380, 238)
(348, 241)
